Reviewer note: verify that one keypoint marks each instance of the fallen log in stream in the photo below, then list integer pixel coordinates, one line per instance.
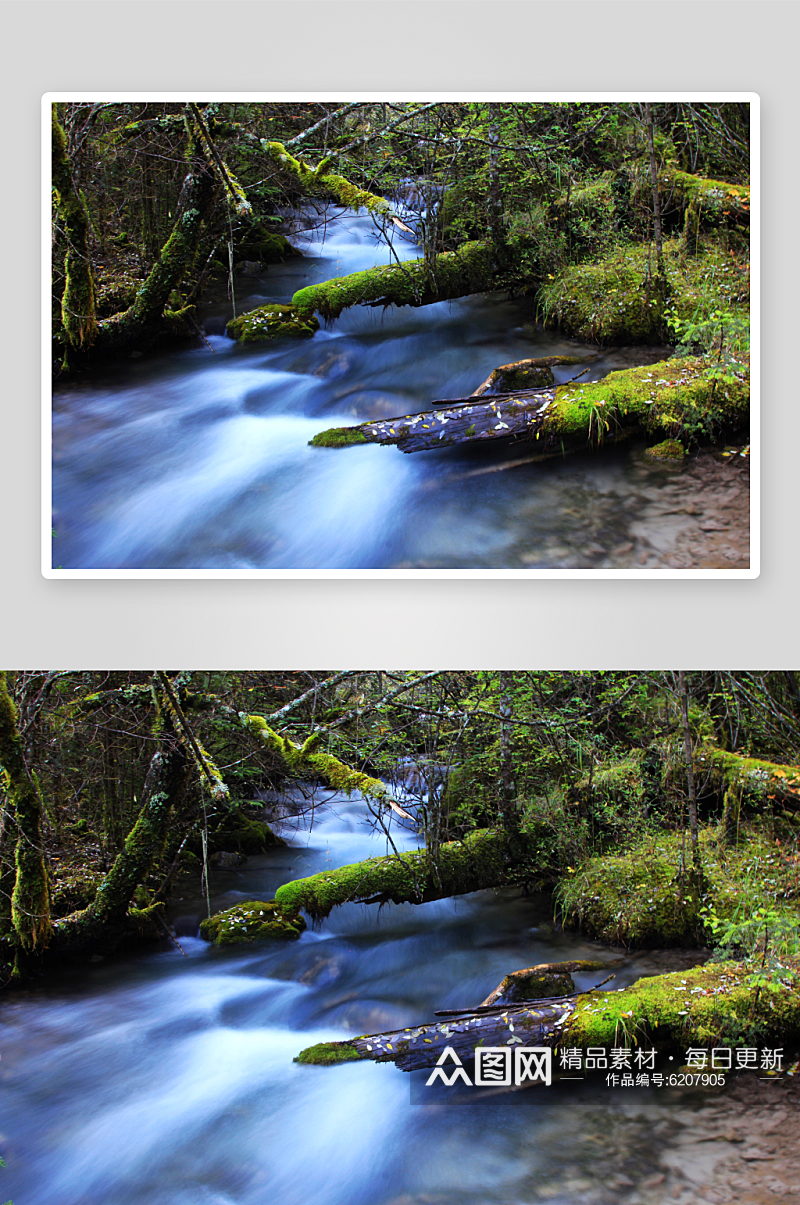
(518, 1012)
(512, 401)
(700, 1007)
(676, 401)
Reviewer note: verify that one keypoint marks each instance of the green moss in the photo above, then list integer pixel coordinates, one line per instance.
(715, 195)
(716, 1004)
(30, 898)
(668, 449)
(317, 181)
(265, 247)
(302, 758)
(641, 897)
(272, 321)
(252, 920)
(116, 292)
(239, 832)
(613, 300)
(470, 269)
(675, 398)
(476, 862)
(326, 1054)
(78, 299)
(338, 437)
(750, 771)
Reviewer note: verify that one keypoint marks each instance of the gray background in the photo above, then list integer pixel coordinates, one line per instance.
(380, 46)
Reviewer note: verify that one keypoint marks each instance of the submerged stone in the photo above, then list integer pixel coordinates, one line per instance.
(668, 449)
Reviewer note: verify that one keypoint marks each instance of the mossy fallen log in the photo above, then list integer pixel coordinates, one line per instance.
(546, 979)
(477, 862)
(509, 402)
(679, 400)
(753, 776)
(715, 196)
(716, 1005)
(470, 269)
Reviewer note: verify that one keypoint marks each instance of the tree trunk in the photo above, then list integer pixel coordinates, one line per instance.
(149, 317)
(479, 861)
(106, 918)
(506, 781)
(692, 787)
(661, 274)
(78, 299)
(30, 898)
(496, 231)
(470, 269)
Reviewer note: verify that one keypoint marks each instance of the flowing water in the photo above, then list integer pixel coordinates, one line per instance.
(168, 1080)
(199, 458)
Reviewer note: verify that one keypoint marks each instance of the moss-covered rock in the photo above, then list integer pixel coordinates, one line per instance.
(614, 299)
(252, 920)
(265, 247)
(272, 321)
(238, 832)
(668, 449)
(116, 292)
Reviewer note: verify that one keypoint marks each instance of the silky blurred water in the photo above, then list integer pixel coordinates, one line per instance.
(199, 457)
(160, 1079)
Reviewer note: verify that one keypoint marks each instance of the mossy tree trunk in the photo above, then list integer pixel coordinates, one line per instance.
(674, 400)
(481, 860)
(661, 271)
(78, 299)
(470, 269)
(30, 897)
(149, 314)
(108, 917)
(697, 870)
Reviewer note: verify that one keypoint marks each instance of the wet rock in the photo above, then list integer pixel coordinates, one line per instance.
(248, 267)
(252, 920)
(226, 859)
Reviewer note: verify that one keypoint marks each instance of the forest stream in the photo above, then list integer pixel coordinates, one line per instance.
(199, 458)
(167, 1078)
